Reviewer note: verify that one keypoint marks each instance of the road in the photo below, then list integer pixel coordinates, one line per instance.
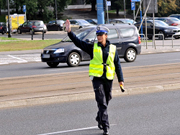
(39, 68)
(144, 114)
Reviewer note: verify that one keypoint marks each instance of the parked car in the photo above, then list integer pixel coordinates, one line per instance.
(125, 37)
(123, 20)
(92, 21)
(171, 21)
(175, 15)
(3, 28)
(32, 26)
(77, 24)
(160, 28)
(55, 25)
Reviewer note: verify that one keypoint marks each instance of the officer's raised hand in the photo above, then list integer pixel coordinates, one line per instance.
(68, 26)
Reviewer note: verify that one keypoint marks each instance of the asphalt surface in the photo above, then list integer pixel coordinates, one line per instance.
(142, 114)
(40, 89)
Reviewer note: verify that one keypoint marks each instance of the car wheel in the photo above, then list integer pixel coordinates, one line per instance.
(130, 55)
(53, 64)
(160, 37)
(19, 31)
(176, 37)
(73, 59)
(3, 32)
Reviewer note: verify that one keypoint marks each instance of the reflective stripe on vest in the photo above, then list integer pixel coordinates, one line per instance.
(96, 64)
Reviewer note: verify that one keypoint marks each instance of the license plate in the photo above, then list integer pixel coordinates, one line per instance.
(46, 56)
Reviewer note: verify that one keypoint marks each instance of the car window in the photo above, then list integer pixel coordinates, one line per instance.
(83, 22)
(25, 23)
(79, 34)
(92, 36)
(127, 32)
(73, 22)
(112, 34)
(38, 23)
(60, 22)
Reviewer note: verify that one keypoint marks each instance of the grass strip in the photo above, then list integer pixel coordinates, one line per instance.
(14, 45)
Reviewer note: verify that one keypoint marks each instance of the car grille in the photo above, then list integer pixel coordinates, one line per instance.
(48, 51)
(176, 30)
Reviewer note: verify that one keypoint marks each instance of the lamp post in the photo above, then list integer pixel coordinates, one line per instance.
(9, 30)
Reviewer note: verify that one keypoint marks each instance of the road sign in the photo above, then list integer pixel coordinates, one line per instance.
(108, 3)
(153, 7)
(24, 8)
(135, 0)
(133, 6)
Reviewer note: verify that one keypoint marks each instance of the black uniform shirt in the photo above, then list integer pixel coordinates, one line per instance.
(88, 48)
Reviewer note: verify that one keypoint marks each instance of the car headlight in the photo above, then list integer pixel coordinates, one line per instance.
(167, 30)
(60, 50)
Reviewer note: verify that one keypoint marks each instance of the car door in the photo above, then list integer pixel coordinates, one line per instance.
(73, 25)
(50, 25)
(54, 25)
(126, 34)
(24, 27)
(90, 38)
(114, 38)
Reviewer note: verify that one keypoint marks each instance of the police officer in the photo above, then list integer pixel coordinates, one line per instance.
(103, 65)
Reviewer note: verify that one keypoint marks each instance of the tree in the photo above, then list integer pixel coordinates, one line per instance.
(118, 5)
(166, 7)
(2, 5)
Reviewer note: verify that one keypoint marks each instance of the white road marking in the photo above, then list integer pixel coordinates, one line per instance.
(73, 130)
(22, 60)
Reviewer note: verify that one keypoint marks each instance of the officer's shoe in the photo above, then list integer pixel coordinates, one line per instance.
(99, 124)
(106, 131)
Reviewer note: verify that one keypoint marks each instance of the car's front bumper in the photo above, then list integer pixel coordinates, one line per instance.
(53, 58)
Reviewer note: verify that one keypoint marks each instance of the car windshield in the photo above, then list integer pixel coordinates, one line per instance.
(160, 23)
(83, 22)
(175, 19)
(79, 34)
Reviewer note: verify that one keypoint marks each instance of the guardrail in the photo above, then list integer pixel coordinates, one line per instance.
(33, 34)
(154, 39)
(173, 40)
(143, 37)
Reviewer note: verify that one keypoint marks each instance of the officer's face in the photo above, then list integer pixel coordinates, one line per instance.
(102, 38)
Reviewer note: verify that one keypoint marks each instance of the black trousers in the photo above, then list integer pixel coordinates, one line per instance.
(102, 88)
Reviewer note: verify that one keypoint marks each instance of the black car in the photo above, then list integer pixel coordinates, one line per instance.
(55, 25)
(32, 26)
(3, 28)
(125, 37)
(160, 28)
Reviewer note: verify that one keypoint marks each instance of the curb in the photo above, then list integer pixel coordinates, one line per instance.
(85, 96)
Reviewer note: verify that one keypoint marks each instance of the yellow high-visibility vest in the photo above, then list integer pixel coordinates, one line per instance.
(96, 64)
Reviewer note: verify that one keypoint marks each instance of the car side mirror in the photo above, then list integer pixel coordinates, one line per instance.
(89, 41)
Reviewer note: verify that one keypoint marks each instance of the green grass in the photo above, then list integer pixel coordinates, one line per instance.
(14, 45)
(5, 38)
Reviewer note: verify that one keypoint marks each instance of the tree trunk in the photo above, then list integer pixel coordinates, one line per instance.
(117, 11)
